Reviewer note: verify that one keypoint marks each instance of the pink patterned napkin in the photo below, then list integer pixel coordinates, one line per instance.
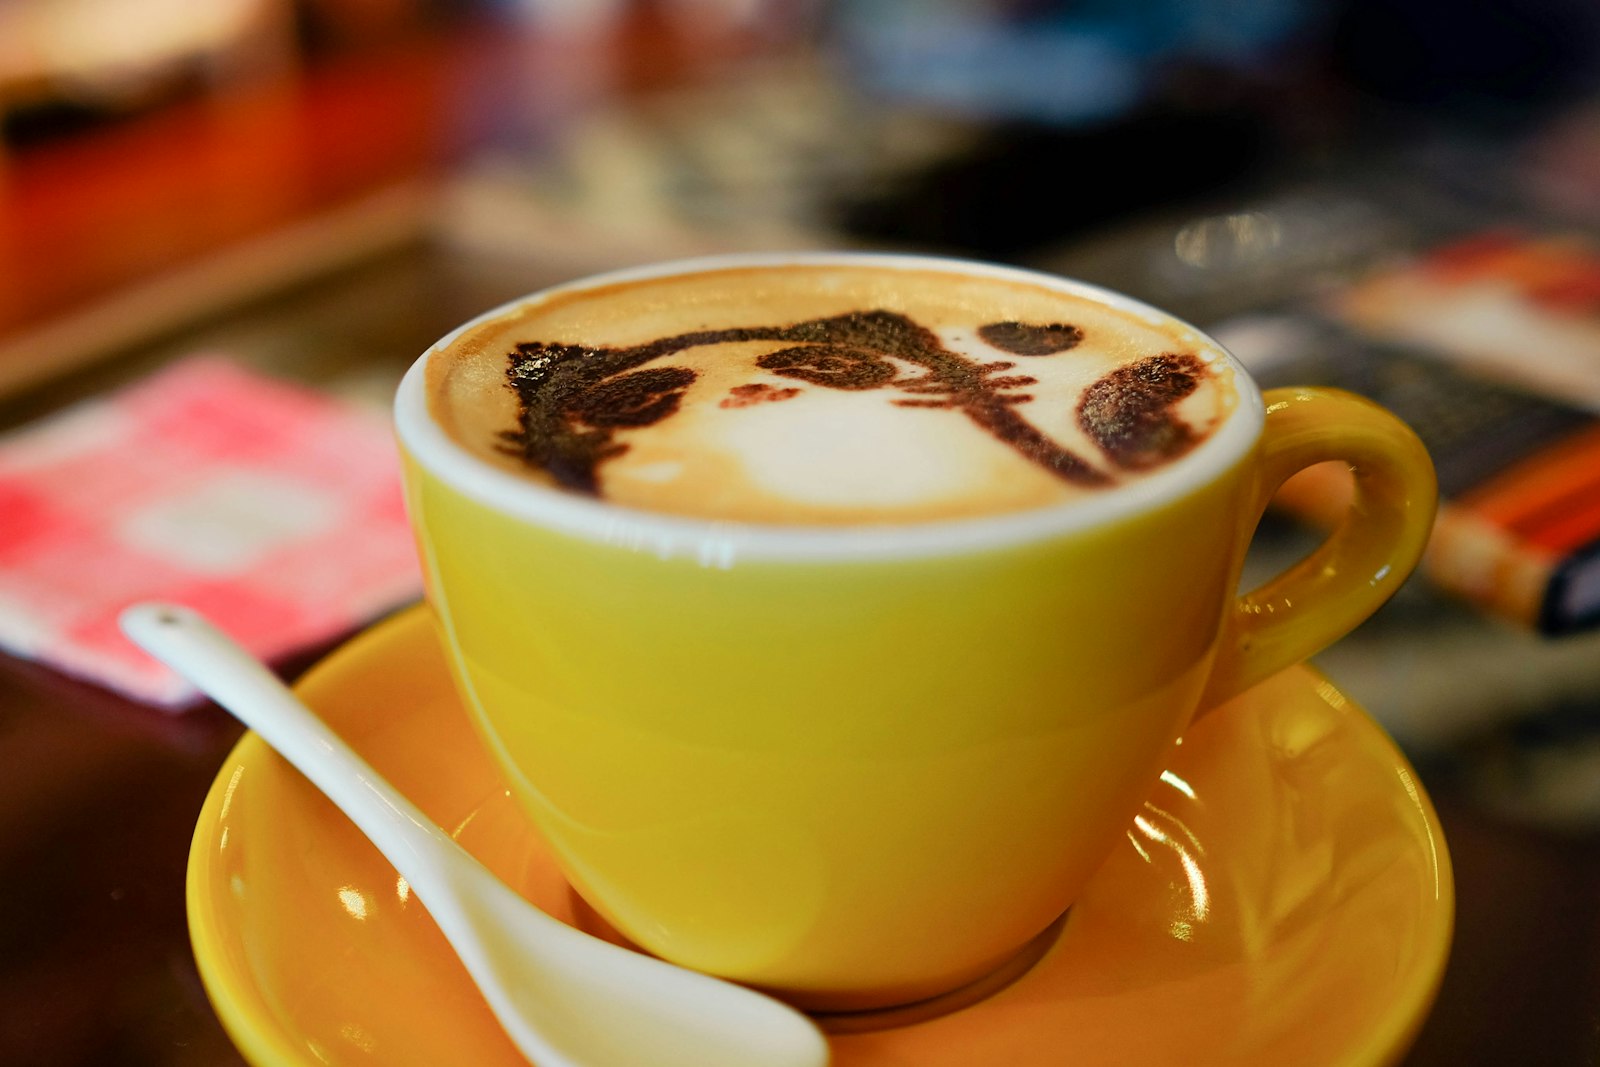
(271, 508)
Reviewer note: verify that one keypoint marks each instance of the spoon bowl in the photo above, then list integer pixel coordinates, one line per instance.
(565, 998)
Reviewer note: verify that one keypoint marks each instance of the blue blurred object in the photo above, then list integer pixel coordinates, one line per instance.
(1065, 62)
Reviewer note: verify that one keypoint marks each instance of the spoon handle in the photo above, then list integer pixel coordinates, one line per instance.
(513, 951)
(188, 643)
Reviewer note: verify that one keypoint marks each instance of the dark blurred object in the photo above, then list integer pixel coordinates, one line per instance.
(331, 26)
(1101, 111)
(1482, 60)
(1544, 770)
(1096, 110)
(1022, 188)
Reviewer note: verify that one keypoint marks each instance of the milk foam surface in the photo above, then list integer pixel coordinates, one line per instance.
(829, 394)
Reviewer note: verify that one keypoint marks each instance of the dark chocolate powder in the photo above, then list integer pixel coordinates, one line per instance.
(743, 396)
(1031, 338)
(1127, 412)
(573, 398)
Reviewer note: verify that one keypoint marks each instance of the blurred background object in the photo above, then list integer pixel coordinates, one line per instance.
(65, 64)
(318, 189)
(143, 138)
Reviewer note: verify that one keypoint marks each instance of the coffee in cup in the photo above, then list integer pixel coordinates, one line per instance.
(836, 394)
(832, 615)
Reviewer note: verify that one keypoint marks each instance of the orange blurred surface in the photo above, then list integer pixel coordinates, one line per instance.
(80, 217)
(116, 214)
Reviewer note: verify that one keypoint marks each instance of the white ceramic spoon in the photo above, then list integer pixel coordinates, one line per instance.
(565, 998)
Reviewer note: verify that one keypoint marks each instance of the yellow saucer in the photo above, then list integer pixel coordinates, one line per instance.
(1285, 897)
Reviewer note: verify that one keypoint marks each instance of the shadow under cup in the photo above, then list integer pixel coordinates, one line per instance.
(865, 766)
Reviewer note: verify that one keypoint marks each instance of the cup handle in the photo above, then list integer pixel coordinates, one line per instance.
(1362, 562)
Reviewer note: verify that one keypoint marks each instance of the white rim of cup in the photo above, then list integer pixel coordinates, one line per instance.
(721, 543)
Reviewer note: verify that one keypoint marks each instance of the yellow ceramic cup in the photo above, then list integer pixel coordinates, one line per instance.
(862, 766)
